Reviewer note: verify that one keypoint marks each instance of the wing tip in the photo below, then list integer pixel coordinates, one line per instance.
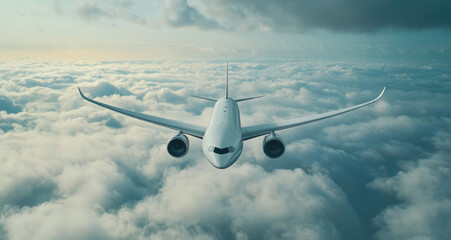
(380, 95)
(81, 93)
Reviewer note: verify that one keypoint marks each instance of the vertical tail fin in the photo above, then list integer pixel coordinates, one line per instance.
(227, 82)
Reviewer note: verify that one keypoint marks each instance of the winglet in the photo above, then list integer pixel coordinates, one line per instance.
(82, 95)
(380, 95)
(227, 82)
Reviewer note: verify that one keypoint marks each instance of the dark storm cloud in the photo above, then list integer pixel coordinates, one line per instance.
(70, 169)
(298, 16)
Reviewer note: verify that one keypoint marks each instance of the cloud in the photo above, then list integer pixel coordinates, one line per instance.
(9, 106)
(111, 10)
(299, 16)
(60, 222)
(248, 213)
(425, 203)
(179, 14)
(369, 174)
(106, 89)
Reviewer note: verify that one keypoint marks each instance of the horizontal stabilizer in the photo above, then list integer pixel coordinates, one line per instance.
(204, 98)
(249, 98)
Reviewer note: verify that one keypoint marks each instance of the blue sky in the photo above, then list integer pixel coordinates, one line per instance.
(72, 170)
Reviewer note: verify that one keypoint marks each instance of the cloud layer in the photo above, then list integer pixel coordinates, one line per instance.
(72, 170)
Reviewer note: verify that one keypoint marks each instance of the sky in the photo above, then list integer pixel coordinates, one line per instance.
(218, 29)
(72, 170)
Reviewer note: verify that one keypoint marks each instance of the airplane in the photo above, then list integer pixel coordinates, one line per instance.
(222, 139)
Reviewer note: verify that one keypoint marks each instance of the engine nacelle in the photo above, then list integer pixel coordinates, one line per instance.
(273, 145)
(178, 145)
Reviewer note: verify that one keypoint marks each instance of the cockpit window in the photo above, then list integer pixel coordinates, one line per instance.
(223, 150)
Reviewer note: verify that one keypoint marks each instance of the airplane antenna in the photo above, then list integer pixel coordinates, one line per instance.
(227, 82)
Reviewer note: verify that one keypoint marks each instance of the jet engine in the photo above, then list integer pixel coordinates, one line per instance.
(178, 145)
(273, 145)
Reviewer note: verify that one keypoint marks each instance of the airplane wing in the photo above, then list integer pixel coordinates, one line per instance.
(262, 129)
(190, 129)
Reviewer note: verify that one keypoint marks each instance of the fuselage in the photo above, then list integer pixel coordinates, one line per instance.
(222, 142)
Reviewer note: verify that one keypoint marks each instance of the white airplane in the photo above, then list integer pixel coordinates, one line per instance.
(222, 139)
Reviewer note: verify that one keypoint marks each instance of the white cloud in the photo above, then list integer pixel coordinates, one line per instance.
(66, 162)
(422, 188)
(52, 220)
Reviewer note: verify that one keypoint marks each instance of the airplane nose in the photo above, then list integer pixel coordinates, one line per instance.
(220, 161)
